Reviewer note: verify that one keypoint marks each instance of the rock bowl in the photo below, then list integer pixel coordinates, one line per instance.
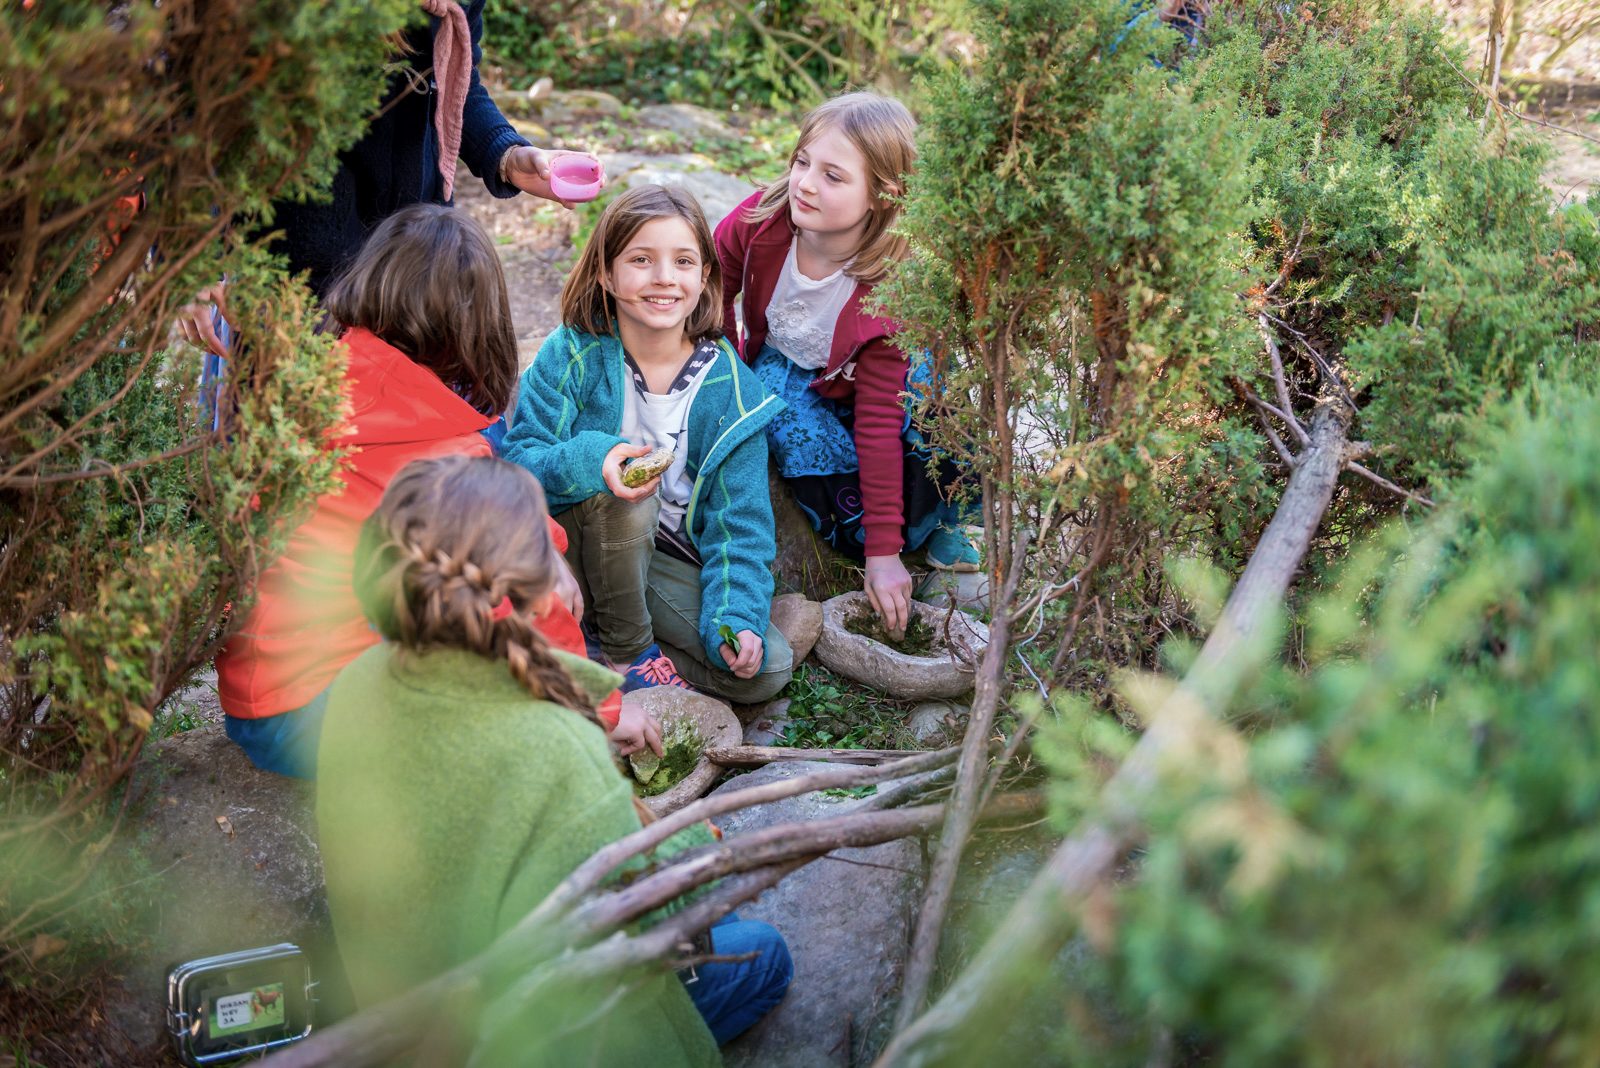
(715, 721)
(912, 678)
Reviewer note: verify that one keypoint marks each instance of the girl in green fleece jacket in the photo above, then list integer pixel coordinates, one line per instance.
(677, 571)
(463, 775)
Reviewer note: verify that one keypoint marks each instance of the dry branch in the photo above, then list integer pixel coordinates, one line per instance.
(756, 756)
(1044, 917)
(388, 1031)
(971, 775)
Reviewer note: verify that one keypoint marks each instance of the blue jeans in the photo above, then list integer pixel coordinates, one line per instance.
(285, 743)
(732, 997)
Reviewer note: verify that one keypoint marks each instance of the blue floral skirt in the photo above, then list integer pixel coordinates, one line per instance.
(813, 443)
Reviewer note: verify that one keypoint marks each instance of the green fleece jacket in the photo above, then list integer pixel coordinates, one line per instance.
(569, 415)
(449, 803)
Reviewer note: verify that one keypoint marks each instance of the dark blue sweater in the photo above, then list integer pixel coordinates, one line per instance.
(395, 164)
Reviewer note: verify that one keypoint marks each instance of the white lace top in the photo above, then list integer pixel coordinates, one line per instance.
(803, 312)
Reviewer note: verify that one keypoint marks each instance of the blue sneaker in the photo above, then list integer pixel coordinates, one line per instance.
(651, 668)
(949, 549)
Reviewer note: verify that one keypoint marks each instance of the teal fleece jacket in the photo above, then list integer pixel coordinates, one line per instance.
(569, 415)
(449, 803)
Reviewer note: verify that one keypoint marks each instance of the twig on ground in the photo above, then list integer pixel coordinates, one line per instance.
(755, 756)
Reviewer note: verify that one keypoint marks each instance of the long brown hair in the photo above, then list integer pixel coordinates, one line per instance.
(585, 304)
(453, 537)
(428, 281)
(885, 134)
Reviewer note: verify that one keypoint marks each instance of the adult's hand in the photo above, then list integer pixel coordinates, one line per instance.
(194, 319)
(888, 587)
(611, 471)
(635, 730)
(529, 170)
(747, 661)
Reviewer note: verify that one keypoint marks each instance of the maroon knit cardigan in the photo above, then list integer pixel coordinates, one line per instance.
(866, 370)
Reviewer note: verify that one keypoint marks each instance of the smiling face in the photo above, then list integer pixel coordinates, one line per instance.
(830, 190)
(659, 276)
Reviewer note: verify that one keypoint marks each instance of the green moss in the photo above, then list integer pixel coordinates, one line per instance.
(920, 639)
(680, 752)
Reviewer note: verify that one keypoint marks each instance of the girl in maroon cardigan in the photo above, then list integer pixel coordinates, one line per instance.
(803, 256)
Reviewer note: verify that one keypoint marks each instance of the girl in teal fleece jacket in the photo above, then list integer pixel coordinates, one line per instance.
(680, 567)
(463, 775)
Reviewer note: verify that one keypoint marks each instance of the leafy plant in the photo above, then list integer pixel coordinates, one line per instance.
(828, 712)
(141, 142)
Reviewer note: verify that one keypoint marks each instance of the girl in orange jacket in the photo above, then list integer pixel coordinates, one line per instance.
(432, 365)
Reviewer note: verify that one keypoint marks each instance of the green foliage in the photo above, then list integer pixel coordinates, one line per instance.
(1413, 252)
(140, 143)
(1399, 865)
(776, 53)
(829, 712)
(1077, 222)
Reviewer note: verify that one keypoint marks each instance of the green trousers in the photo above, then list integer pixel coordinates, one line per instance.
(637, 597)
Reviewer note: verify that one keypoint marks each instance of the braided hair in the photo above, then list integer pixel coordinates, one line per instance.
(453, 540)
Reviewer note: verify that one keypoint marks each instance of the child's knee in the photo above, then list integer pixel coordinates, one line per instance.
(621, 524)
(765, 686)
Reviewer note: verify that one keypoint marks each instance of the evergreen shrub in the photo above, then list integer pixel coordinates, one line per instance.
(140, 141)
(1401, 864)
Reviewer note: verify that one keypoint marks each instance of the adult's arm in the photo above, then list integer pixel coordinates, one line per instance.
(485, 133)
(732, 239)
(880, 418)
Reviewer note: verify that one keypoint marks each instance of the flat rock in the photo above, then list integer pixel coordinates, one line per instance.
(937, 723)
(564, 106)
(717, 193)
(253, 881)
(687, 119)
(799, 620)
(804, 562)
(769, 723)
(855, 656)
(848, 926)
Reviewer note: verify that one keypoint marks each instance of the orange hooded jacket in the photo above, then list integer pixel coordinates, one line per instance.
(307, 623)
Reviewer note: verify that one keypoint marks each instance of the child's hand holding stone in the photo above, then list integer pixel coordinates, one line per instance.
(611, 471)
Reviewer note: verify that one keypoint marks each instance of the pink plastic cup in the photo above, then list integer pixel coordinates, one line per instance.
(575, 178)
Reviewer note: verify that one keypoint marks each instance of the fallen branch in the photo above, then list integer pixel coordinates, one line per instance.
(964, 801)
(756, 756)
(1039, 924)
(546, 956)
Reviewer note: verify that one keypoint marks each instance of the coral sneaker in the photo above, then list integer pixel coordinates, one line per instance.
(651, 668)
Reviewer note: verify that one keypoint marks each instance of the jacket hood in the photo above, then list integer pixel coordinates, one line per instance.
(395, 401)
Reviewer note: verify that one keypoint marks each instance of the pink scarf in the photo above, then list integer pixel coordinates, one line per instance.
(452, 73)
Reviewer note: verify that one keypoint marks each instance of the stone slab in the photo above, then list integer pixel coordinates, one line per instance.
(804, 562)
(689, 120)
(848, 926)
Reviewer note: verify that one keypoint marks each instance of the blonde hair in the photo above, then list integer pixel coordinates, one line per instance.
(454, 537)
(428, 281)
(883, 131)
(585, 303)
